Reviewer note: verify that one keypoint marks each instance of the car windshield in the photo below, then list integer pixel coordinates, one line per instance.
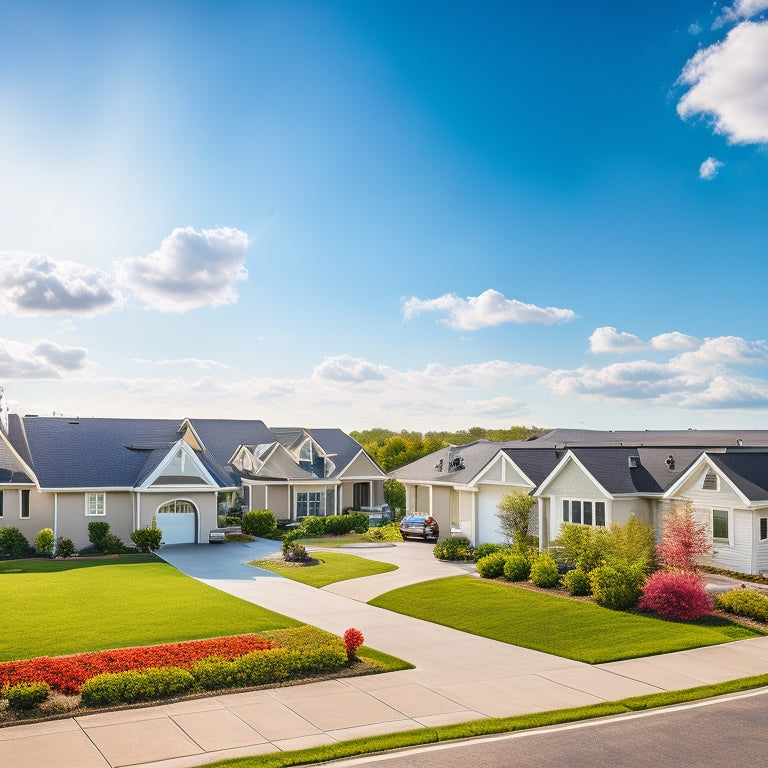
(415, 519)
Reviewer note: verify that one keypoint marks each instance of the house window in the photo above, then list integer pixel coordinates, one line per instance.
(763, 528)
(710, 481)
(25, 503)
(330, 501)
(95, 504)
(310, 503)
(720, 526)
(176, 506)
(584, 512)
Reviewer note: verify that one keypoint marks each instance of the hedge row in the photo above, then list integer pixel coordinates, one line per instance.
(335, 525)
(68, 673)
(300, 651)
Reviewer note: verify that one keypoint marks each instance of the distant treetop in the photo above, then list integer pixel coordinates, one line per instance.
(392, 450)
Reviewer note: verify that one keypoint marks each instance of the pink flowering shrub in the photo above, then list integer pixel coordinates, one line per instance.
(675, 595)
(683, 540)
(353, 639)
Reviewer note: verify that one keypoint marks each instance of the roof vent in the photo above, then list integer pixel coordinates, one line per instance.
(456, 464)
(670, 461)
(439, 466)
(633, 461)
(739, 442)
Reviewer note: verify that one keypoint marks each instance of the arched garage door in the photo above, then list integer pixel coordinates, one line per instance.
(178, 522)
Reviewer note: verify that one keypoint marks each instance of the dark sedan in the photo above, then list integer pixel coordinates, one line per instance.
(419, 527)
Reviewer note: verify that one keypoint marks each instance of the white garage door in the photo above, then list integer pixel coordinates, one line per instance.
(487, 522)
(177, 527)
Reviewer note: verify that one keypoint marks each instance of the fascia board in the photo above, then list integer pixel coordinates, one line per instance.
(27, 469)
(373, 464)
(696, 467)
(511, 463)
(570, 456)
(187, 448)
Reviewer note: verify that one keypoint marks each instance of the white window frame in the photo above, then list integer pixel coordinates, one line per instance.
(729, 519)
(759, 519)
(22, 491)
(594, 503)
(97, 496)
(319, 501)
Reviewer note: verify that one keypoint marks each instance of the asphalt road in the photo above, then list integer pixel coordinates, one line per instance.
(727, 732)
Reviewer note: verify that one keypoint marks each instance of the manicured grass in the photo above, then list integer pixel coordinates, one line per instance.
(333, 567)
(486, 727)
(335, 541)
(577, 630)
(70, 606)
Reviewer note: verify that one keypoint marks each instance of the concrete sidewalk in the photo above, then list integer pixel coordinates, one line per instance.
(458, 677)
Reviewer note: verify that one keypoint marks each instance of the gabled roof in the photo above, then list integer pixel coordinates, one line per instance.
(747, 471)
(475, 456)
(340, 448)
(221, 436)
(535, 463)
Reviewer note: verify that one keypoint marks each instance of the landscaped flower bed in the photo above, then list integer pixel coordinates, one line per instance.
(68, 673)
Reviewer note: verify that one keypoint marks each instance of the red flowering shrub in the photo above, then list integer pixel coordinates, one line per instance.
(353, 639)
(675, 595)
(68, 673)
(683, 541)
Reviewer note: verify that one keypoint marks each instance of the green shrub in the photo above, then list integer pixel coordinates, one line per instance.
(394, 494)
(112, 544)
(544, 571)
(146, 685)
(289, 537)
(147, 539)
(25, 696)
(491, 566)
(97, 530)
(487, 549)
(453, 549)
(389, 532)
(296, 553)
(313, 526)
(517, 567)
(13, 541)
(744, 602)
(577, 582)
(260, 522)
(44, 542)
(617, 584)
(214, 673)
(65, 548)
(338, 525)
(633, 541)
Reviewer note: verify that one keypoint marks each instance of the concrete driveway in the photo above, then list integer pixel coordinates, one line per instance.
(458, 677)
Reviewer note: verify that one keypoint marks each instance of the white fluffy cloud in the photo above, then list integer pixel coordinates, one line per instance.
(741, 9)
(705, 378)
(190, 269)
(488, 309)
(710, 168)
(504, 407)
(728, 83)
(33, 284)
(608, 339)
(345, 368)
(39, 360)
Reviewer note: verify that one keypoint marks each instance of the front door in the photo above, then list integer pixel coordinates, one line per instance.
(361, 495)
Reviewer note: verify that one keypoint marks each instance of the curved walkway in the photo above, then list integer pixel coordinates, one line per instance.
(458, 677)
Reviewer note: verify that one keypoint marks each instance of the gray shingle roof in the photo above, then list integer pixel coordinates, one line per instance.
(704, 438)
(747, 470)
(221, 437)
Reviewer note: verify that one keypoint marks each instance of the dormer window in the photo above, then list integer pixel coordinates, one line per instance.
(710, 481)
(305, 453)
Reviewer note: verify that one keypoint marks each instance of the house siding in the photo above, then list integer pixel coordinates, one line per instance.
(623, 509)
(761, 547)
(573, 483)
(40, 512)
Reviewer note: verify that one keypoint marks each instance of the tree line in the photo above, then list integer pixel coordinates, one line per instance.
(391, 450)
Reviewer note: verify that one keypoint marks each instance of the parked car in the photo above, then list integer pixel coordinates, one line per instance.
(420, 527)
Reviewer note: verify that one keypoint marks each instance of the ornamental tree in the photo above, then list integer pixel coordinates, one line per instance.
(513, 511)
(684, 541)
(676, 595)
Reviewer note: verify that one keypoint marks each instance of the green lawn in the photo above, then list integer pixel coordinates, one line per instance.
(333, 567)
(70, 606)
(575, 629)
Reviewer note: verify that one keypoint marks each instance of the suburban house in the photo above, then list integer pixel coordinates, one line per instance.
(62, 473)
(601, 478)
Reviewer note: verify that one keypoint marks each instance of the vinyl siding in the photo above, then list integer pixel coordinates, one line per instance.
(572, 483)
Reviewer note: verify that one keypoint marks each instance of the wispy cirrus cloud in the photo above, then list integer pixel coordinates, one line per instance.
(205, 365)
(488, 309)
(33, 284)
(189, 270)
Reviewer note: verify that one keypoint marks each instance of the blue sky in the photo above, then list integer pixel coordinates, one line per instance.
(413, 215)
